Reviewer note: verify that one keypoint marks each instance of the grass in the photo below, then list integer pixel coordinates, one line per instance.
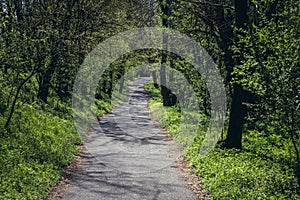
(34, 152)
(39, 144)
(264, 169)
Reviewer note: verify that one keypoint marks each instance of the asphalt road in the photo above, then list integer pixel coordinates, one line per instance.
(129, 157)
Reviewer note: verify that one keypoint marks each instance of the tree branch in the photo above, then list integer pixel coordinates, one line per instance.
(15, 100)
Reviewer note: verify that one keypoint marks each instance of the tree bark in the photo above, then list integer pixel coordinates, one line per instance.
(172, 97)
(15, 99)
(154, 76)
(236, 119)
(165, 92)
(237, 112)
(45, 83)
(163, 82)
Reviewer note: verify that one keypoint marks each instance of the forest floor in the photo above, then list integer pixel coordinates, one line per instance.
(127, 156)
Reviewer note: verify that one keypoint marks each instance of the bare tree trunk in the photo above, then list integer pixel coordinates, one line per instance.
(44, 85)
(237, 112)
(12, 109)
(236, 119)
(165, 92)
(154, 76)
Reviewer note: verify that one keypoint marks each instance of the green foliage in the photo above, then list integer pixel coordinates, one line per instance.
(102, 107)
(262, 170)
(270, 70)
(153, 92)
(235, 174)
(42, 45)
(168, 117)
(259, 171)
(34, 152)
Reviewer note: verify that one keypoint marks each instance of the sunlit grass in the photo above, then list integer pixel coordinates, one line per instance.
(262, 170)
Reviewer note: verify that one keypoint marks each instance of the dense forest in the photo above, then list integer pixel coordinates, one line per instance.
(254, 44)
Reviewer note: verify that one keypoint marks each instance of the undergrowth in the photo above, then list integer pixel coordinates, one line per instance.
(263, 170)
(39, 143)
(34, 151)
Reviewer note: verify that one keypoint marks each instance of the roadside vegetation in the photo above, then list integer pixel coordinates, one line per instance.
(34, 151)
(254, 44)
(42, 46)
(263, 169)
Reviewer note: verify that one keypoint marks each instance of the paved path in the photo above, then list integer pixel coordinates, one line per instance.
(128, 157)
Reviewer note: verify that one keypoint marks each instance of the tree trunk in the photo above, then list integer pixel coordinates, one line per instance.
(165, 92)
(173, 98)
(111, 83)
(163, 82)
(44, 85)
(154, 76)
(12, 109)
(121, 86)
(236, 119)
(237, 112)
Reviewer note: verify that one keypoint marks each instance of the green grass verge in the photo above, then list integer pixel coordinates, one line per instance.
(40, 142)
(262, 170)
(34, 152)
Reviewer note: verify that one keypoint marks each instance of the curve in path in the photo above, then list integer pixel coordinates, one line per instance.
(129, 157)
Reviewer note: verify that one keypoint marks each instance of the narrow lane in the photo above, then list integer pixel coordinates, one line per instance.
(129, 157)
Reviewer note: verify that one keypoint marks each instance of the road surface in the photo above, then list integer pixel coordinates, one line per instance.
(128, 157)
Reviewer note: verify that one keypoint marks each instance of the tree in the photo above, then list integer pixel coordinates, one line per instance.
(271, 71)
(237, 111)
(168, 97)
